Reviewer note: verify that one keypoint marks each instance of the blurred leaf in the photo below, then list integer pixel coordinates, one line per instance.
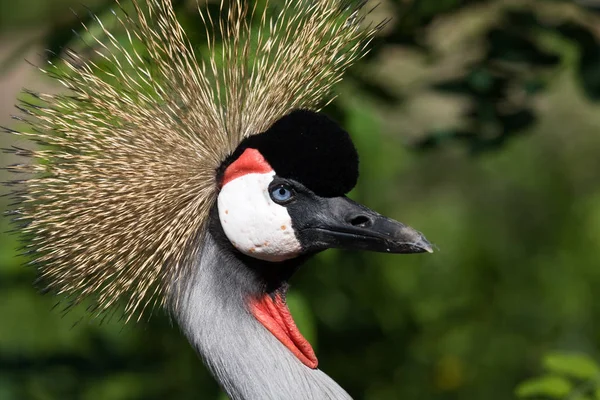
(575, 365)
(554, 387)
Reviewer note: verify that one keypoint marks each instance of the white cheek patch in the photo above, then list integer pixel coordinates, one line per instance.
(253, 223)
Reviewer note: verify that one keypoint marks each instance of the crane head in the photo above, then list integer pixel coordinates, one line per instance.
(119, 199)
(283, 195)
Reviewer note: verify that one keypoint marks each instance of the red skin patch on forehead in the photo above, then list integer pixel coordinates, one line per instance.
(250, 162)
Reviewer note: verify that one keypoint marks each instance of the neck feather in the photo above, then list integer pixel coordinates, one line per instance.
(248, 361)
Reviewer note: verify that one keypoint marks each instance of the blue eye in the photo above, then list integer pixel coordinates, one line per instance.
(281, 194)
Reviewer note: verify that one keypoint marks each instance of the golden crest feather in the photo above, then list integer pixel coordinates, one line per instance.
(121, 185)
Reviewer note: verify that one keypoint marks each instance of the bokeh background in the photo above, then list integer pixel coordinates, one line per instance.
(478, 123)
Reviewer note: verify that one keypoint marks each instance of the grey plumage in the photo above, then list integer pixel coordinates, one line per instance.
(248, 361)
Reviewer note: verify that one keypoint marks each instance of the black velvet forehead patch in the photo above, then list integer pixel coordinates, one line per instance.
(310, 148)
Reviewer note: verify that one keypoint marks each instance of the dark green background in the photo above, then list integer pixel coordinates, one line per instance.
(477, 123)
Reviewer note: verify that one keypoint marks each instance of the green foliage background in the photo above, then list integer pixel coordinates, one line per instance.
(477, 124)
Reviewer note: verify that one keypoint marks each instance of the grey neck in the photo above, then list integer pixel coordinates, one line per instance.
(246, 359)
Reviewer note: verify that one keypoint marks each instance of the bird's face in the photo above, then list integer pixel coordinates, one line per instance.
(283, 195)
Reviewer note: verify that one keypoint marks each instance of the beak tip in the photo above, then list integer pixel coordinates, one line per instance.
(424, 245)
(412, 241)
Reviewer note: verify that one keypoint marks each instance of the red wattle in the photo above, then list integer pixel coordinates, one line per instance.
(274, 314)
(251, 161)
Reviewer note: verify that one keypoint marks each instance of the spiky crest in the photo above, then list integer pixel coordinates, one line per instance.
(121, 188)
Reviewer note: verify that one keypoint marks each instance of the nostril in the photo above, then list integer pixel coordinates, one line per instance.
(361, 221)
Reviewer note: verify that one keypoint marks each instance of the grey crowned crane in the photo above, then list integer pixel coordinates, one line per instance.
(201, 184)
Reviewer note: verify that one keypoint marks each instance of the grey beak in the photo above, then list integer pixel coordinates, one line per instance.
(342, 223)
